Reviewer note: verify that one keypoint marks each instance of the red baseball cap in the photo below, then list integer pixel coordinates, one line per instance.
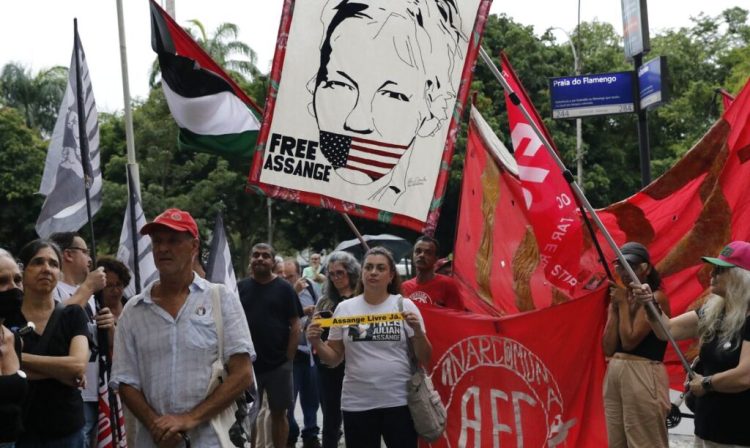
(734, 254)
(175, 219)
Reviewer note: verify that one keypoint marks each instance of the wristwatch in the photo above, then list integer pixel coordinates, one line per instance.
(706, 383)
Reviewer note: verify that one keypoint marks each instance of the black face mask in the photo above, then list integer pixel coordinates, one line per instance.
(10, 302)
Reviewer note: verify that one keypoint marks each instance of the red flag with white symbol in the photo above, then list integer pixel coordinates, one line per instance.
(549, 203)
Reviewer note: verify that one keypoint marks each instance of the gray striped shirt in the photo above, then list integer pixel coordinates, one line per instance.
(169, 359)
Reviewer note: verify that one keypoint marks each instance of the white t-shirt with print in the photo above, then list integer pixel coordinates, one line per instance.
(377, 355)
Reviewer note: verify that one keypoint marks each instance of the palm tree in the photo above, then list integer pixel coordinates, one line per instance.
(36, 97)
(235, 57)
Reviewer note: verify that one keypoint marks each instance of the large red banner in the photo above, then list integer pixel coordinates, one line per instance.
(692, 210)
(531, 380)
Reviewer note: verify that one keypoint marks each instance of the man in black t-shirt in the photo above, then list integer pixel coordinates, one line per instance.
(273, 315)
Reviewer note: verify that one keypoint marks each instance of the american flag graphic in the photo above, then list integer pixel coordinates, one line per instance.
(373, 158)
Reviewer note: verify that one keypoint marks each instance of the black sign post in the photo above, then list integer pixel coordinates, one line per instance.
(637, 43)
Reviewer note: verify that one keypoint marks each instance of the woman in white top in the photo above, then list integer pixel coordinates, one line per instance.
(378, 363)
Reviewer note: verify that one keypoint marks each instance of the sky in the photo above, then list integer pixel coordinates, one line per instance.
(39, 33)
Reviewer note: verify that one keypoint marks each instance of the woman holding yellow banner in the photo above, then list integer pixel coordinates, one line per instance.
(343, 275)
(368, 331)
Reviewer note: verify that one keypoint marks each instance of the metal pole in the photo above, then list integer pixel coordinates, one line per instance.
(643, 144)
(170, 9)
(582, 198)
(579, 131)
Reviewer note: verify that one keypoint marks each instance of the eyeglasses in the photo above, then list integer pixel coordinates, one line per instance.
(83, 250)
(718, 270)
(337, 274)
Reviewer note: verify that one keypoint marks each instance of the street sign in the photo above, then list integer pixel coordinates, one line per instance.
(590, 95)
(635, 28)
(653, 83)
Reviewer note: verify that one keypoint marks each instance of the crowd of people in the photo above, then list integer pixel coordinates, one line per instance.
(276, 336)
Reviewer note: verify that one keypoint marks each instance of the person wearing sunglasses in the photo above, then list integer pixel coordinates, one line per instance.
(636, 385)
(722, 325)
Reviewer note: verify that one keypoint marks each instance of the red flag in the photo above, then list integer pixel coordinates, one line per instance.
(505, 384)
(692, 210)
(550, 205)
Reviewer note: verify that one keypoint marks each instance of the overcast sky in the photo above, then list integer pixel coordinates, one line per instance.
(39, 33)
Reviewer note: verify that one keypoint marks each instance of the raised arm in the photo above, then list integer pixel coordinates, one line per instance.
(331, 352)
(684, 326)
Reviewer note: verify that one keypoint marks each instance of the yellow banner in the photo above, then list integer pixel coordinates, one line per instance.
(360, 319)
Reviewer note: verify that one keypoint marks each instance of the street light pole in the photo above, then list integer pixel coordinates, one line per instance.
(579, 130)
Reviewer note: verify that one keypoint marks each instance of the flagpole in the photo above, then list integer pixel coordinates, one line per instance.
(356, 232)
(83, 138)
(129, 140)
(583, 200)
(132, 197)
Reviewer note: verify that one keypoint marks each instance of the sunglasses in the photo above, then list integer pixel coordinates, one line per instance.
(718, 270)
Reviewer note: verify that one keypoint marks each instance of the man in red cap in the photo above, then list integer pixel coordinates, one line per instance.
(167, 340)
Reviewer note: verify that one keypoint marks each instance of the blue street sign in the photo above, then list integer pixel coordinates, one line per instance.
(589, 95)
(653, 83)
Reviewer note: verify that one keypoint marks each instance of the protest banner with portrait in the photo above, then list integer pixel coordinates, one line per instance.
(364, 104)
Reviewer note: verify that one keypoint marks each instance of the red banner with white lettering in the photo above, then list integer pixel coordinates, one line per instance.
(692, 210)
(549, 203)
(529, 380)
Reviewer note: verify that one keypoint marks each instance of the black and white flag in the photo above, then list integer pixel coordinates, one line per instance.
(220, 268)
(72, 162)
(145, 273)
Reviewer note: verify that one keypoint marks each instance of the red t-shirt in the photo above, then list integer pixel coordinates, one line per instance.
(441, 291)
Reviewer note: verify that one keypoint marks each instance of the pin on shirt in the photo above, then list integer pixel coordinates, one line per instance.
(200, 311)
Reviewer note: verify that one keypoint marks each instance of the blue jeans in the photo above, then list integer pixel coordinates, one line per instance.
(306, 386)
(91, 425)
(74, 440)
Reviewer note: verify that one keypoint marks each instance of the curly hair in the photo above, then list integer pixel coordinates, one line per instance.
(115, 266)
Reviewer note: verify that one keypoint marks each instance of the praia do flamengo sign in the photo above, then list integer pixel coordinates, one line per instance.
(590, 95)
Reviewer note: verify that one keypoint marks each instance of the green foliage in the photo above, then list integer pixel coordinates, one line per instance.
(22, 154)
(36, 97)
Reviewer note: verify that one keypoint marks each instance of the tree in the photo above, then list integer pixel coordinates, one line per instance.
(22, 154)
(36, 97)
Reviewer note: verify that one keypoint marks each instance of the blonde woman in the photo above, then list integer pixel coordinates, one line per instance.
(723, 326)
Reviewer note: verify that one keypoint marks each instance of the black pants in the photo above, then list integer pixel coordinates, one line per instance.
(330, 381)
(364, 429)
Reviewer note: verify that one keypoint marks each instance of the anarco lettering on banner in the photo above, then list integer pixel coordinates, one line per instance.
(508, 415)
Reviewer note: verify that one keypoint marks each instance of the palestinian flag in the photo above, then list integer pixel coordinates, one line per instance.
(213, 113)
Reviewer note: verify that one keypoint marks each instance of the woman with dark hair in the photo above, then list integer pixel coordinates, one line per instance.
(55, 354)
(722, 325)
(118, 278)
(378, 361)
(636, 386)
(343, 274)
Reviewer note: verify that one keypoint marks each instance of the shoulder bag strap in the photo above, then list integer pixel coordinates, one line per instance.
(412, 356)
(49, 330)
(218, 319)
